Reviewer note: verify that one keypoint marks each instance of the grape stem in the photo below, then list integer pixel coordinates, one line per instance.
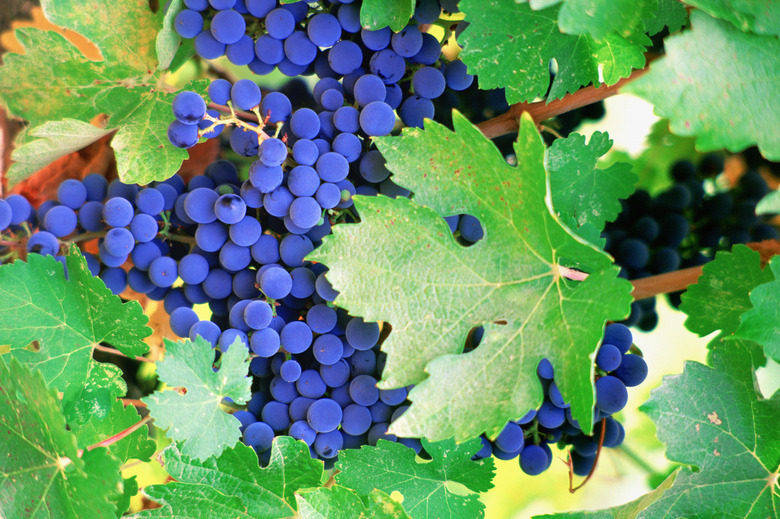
(664, 283)
(508, 122)
(118, 436)
(114, 351)
(570, 464)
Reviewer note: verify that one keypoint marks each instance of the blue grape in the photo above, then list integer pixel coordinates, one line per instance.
(510, 439)
(276, 106)
(259, 435)
(207, 46)
(265, 342)
(470, 228)
(348, 145)
(71, 193)
(349, 17)
(369, 88)
(188, 23)
(20, 208)
(362, 335)
(282, 390)
(144, 253)
(206, 330)
(293, 249)
(305, 123)
(362, 362)
(550, 416)
(324, 415)
(258, 314)
(299, 49)
(345, 56)
(388, 188)
(118, 212)
(269, 50)
(230, 209)
(376, 40)
(290, 370)
(278, 201)
(332, 167)
(43, 243)
(199, 205)
(234, 257)
(118, 241)
(378, 432)
(218, 284)
(183, 135)
(327, 445)
(139, 281)
(61, 221)
(430, 51)
(279, 23)
(363, 390)
(188, 107)
(377, 119)
(428, 82)
(415, 109)
(332, 99)
(305, 152)
(296, 337)
(266, 250)
(303, 282)
(228, 27)
(245, 94)
(324, 30)
(311, 384)
(150, 201)
(276, 415)
(456, 75)
(632, 370)
(260, 8)
(193, 269)
(407, 42)
(303, 180)
(356, 419)
(305, 212)
(346, 119)
(219, 91)
(300, 430)
(251, 195)
(327, 350)
(241, 52)
(611, 394)
(163, 271)
(633, 253)
(96, 185)
(608, 358)
(372, 167)
(619, 336)
(115, 279)
(325, 289)
(534, 460)
(275, 283)
(265, 178)
(211, 236)
(222, 4)
(182, 320)
(246, 231)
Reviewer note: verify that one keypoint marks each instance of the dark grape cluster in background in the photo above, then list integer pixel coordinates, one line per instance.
(685, 226)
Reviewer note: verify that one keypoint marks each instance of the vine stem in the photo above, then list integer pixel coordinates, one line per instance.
(118, 436)
(114, 351)
(595, 461)
(507, 122)
(665, 283)
(133, 401)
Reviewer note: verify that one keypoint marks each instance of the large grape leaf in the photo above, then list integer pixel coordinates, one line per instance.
(54, 81)
(631, 510)
(719, 84)
(233, 485)
(759, 16)
(136, 445)
(393, 467)
(41, 473)
(375, 14)
(67, 319)
(722, 295)
(402, 265)
(669, 13)
(713, 418)
(194, 415)
(583, 195)
(761, 321)
(600, 18)
(509, 45)
(342, 503)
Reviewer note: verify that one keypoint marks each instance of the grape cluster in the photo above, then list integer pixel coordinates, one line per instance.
(684, 226)
(530, 437)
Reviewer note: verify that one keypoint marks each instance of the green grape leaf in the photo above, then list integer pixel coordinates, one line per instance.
(722, 293)
(41, 473)
(93, 400)
(718, 84)
(599, 18)
(50, 141)
(136, 445)
(195, 417)
(583, 194)
(168, 39)
(342, 503)
(130, 490)
(427, 488)
(759, 16)
(375, 14)
(67, 319)
(761, 321)
(632, 510)
(669, 13)
(123, 84)
(770, 204)
(712, 418)
(527, 40)
(509, 282)
(234, 485)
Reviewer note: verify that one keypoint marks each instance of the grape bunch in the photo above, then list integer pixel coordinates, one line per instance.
(530, 437)
(684, 226)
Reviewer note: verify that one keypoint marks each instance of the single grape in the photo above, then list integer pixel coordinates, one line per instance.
(534, 460)
(608, 358)
(245, 94)
(228, 27)
(611, 394)
(183, 135)
(632, 370)
(71, 193)
(188, 107)
(324, 415)
(61, 221)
